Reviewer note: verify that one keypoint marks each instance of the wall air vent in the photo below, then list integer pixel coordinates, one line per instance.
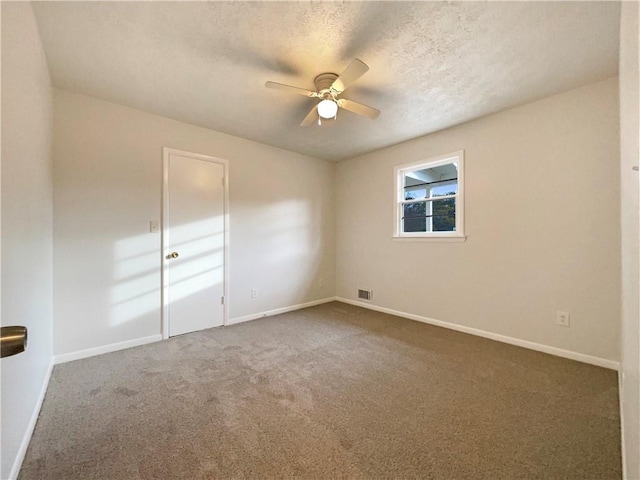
(364, 294)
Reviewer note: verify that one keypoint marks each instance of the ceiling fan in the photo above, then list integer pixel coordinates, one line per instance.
(328, 87)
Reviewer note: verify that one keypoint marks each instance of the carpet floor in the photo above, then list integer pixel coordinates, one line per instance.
(326, 392)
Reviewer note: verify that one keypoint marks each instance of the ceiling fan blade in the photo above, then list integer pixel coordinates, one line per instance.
(358, 108)
(354, 71)
(290, 89)
(311, 117)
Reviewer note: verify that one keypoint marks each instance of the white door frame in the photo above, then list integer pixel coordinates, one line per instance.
(164, 248)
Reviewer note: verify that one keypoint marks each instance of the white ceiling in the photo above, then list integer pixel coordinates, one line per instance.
(432, 64)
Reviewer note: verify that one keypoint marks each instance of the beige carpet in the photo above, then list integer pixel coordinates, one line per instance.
(329, 391)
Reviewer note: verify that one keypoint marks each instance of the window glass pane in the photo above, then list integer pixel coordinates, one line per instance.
(444, 215)
(430, 182)
(449, 188)
(414, 217)
(415, 193)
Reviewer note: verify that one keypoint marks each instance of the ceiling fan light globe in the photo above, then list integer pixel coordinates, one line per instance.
(327, 108)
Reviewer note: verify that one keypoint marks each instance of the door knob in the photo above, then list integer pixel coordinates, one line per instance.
(172, 255)
(13, 340)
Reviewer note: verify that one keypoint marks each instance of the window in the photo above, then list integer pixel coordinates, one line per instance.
(429, 198)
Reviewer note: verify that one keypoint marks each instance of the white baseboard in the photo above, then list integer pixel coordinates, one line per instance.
(277, 311)
(26, 439)
(113, 347)
(559, 352)
(91, 352)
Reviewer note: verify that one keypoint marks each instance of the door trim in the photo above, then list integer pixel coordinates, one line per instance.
(166, 152)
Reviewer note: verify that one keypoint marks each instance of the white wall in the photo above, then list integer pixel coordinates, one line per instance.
(542, 224)
(26, 226)
(629, 145)
(107, 177)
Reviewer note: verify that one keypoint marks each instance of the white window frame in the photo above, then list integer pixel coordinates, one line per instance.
(456, 158)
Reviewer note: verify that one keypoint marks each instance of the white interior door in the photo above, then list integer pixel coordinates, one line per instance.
(193, 242)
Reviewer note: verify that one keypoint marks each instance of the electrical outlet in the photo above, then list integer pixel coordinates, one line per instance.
(562, 318)
(321, 282)
(254, 293)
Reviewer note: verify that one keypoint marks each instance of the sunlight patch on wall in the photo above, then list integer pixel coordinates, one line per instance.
(136, 278)
(145, 263)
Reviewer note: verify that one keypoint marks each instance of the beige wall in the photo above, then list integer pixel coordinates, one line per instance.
(26, 225)
(107, 177)
(629, 145)
(542, 225)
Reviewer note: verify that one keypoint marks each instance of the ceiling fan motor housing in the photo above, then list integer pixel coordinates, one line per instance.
(324, 81)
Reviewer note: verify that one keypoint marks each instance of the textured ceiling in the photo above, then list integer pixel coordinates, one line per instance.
(432, 64)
